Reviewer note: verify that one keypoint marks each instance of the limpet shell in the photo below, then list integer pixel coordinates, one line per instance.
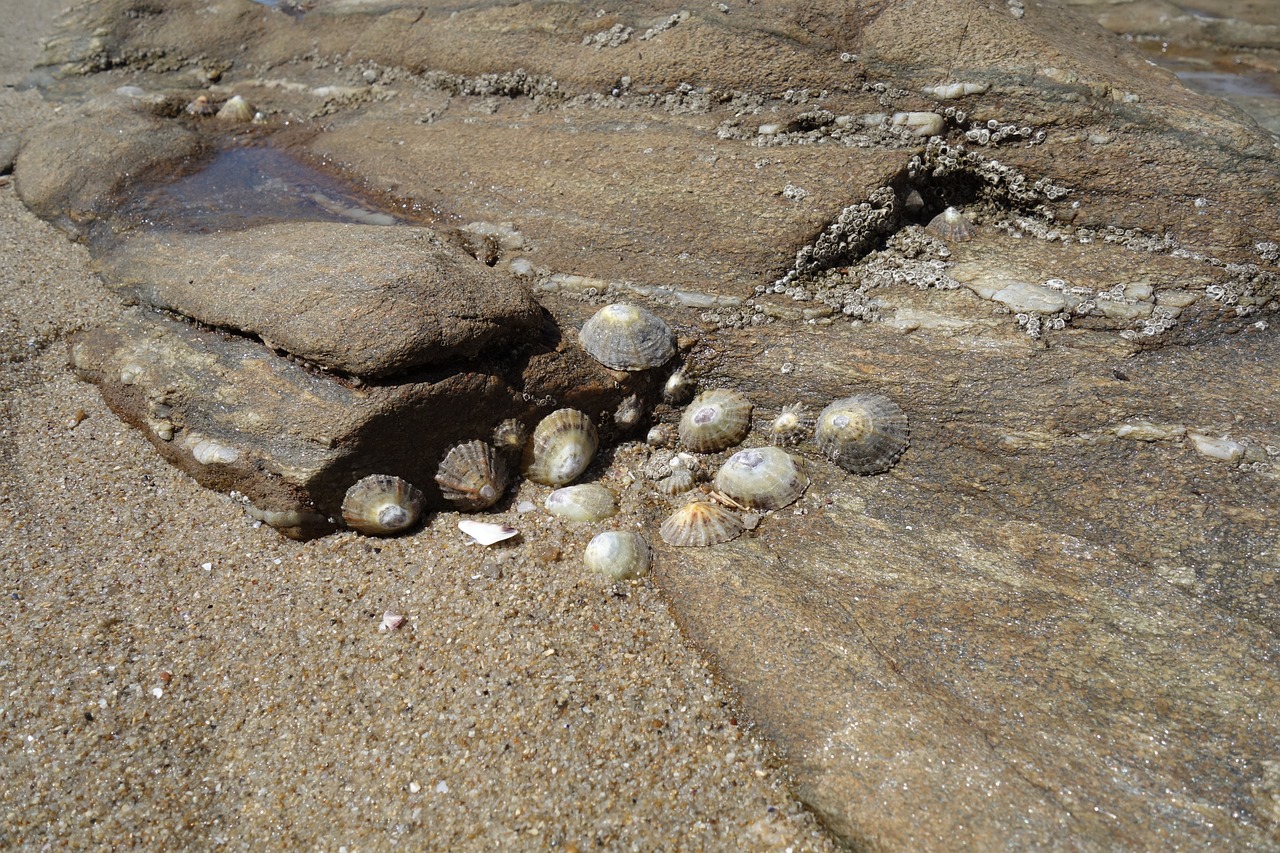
(762, 478)
(509, 437)
(472, 475)
(790, 427)
(715, 420)
(699, 524)
(584, 502)
(382, 505)
(561, 448)
(628, 414)
(951, 225)
(863, 434)
(618, 554)
(678, 387)
(622, 336)
(236, 109)
(662, 435)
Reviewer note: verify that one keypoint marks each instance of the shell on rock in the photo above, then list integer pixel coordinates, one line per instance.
(618, 554)
(790, 426)
(236, 109)
(628, 414)
(680, 480)
(863, 434)
(382, 505)
(473, 476)
(584, 502)
(762, 478)
(700, 523)
(678, 387)
(951, 225)
(662, 435)
(510, 436)
(715, 420)
(627, 337)
(562, 446)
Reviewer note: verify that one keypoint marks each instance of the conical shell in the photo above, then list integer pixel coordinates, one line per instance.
(863, 434)
(790, 427)
(562, 446)
(618, 554)
(627, 337)
(951, 225)
(584, 502)
(236, 109)
(473, 476)
(382, 505)
(700, 523)
(510, 437)
(762, 478)
(715, 420)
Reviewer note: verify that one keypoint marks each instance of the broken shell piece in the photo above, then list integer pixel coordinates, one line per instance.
(699, 524)
(627, 337)
(382, 505)
(485, 532)
(951, 225)
(390, 621)
(618, 554)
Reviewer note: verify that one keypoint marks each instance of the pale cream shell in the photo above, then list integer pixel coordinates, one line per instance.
(583, 502)
(951, 225)
(561, 447)
(763, 478)
(622, 336)
(715, 420)
(382, 505)
(863, 434)
(618, 555)
(699, 524)
(473, 476)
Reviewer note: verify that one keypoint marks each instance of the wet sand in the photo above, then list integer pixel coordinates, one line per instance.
(176, 676)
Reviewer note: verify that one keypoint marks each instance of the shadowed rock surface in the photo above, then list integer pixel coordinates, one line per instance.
(1053, 623)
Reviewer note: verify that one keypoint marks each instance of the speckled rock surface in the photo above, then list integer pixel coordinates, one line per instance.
(363, 300)
(1053, 623)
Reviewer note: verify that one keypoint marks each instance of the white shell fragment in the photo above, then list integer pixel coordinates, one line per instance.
(208, 451)
(1219, 448)
(627, 337)
(486, 533)
(619, 555)
(584, 502)
(391, 621)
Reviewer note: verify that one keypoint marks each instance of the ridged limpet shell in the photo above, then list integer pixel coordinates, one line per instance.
(699, 524)
(715, 420)
(618, 555)
(562, 446)
(951, 225)
(382, 505)
(863, 434)
(762, 478)
(473, 476)
(584, 502)
(627, 337)
(790, 427)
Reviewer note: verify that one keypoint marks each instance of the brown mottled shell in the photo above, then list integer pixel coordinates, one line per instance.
(762, 478)
(473, 476)
(699, 524)
(863, 434)
(951, 225)
(627, 337)
(715, 420)
(562, 446)
(510, 437)
(382, 505)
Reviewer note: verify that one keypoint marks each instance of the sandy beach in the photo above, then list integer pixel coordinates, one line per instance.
(177, 676)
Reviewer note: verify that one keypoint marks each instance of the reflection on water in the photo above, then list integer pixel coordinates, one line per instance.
(245, 187)
(1239, 77)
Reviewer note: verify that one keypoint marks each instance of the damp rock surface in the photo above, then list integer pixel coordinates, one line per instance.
(364, 300)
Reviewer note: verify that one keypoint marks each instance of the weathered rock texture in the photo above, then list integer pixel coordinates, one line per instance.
(1053, 624)
(364, 300)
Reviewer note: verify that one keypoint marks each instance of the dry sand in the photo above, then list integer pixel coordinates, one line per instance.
(174, 676)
